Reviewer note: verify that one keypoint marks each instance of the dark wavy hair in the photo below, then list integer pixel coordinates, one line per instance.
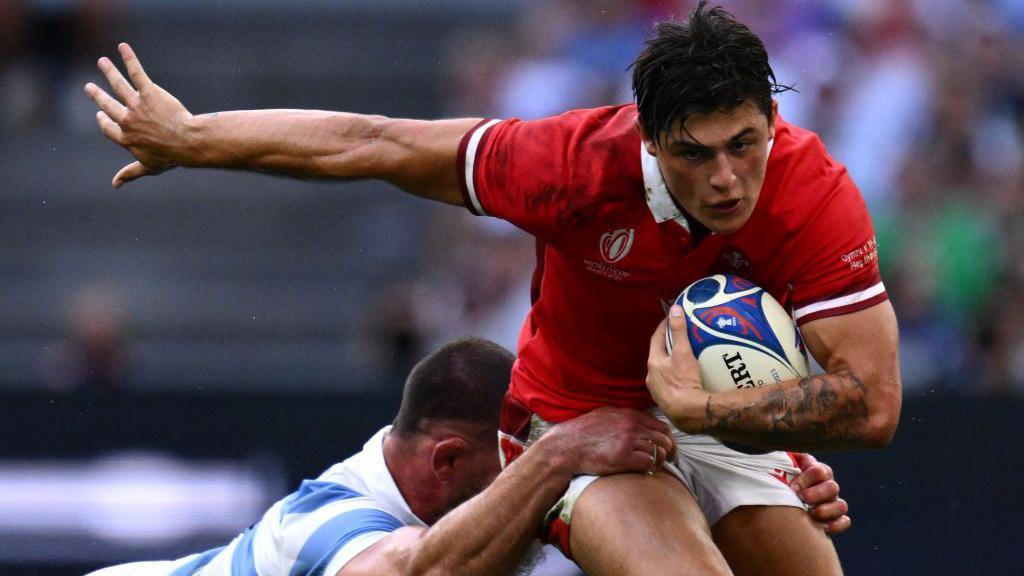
(711, 61)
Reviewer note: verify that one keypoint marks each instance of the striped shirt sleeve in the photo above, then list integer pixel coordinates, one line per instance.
(839, 258)
(324, 525)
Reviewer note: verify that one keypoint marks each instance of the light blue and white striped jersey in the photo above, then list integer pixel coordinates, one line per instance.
(317, 529)
(312, 532)
(320, 527)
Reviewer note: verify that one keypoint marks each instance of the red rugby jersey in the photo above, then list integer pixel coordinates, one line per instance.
(613, 248)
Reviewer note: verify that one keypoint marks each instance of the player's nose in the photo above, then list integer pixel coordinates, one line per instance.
(722, 174)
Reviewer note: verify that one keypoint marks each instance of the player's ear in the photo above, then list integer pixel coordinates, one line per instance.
(772, 118)
(448, 457)
(649, 144)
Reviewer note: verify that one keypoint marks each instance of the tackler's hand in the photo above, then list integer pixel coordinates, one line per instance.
(611, 440)
(141, 117)
(816, 486)
(674, 379)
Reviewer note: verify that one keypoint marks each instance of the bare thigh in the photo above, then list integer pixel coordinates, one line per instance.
(633, 524)
(775, 540)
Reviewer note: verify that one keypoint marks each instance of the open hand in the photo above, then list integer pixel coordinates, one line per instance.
(141, 117)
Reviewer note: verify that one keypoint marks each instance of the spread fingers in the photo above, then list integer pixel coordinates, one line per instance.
(114, 109)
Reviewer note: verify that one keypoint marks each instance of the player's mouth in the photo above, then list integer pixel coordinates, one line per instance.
(726, 207)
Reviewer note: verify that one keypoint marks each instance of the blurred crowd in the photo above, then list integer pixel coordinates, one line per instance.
(47, 50)
(923, 100)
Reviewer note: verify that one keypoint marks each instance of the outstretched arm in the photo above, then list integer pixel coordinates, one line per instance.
(855, 404)
(416, 155)
(490, 533)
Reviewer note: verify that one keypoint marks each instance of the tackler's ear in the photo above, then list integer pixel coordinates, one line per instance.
(448, 457)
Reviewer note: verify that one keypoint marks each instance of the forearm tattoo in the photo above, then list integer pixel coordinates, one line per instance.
(824, 411)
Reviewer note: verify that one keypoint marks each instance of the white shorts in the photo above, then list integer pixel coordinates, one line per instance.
(721, 479)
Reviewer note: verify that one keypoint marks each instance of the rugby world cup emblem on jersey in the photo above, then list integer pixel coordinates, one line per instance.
(616, 244)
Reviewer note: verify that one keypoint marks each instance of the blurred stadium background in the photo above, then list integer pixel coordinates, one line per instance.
(176, 354)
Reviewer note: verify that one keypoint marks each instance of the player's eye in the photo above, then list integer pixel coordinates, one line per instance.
(692, 154)
(740, 146)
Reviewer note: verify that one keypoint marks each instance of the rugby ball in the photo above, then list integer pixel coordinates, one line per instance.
(741, 336)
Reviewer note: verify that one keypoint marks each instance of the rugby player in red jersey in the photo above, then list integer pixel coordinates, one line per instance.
(629, 204)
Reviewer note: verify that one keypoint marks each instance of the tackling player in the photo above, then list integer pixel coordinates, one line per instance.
(629, 204)
(370, 514)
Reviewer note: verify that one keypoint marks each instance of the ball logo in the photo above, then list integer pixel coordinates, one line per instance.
(738, 370)
(616, 244)
(726, 321)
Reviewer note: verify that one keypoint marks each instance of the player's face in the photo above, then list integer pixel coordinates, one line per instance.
(714, 165)
(484, 469)
(480, 468)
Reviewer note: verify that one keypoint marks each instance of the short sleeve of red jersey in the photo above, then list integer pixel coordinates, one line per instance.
(839, 273)
(545, 175)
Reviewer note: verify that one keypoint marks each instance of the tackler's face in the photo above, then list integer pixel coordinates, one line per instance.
(479, 467)
(714, 164)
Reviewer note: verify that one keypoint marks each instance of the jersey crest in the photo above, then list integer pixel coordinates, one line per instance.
(733, 261)
(615, 245)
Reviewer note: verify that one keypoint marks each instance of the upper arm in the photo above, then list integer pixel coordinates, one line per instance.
(421, 156)
(864, 344)
(839, 299)
(390, 555)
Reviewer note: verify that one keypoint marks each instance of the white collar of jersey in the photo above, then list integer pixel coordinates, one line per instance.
(656, 191)
(381, 482)
(659, 200)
